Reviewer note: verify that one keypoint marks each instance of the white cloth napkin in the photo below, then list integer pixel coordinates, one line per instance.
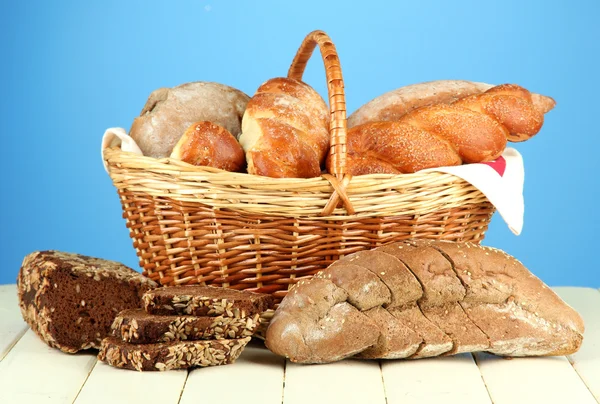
(501, 181)
(118, 137)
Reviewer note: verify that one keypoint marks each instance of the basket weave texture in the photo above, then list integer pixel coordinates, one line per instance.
(199, 225)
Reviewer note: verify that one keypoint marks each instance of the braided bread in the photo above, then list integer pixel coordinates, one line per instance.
(469, 130)
(285, 130)
(394, 104)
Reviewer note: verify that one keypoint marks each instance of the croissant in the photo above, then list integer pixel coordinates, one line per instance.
(473, 129)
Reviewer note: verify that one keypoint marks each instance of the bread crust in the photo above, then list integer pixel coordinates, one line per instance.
(170, 355)
(471, 129)
(463, 298)
(168, 112)
(285, 130)
(394, 104)
(207, 144)
(63, 297)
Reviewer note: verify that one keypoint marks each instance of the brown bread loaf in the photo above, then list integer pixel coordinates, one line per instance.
(394, 104)
(285, 130)
(206, 301)
(470, 130)
(71, 300)
(138, 327)
(170, 111)
(171, 355)
(423, 298)
(210, 145)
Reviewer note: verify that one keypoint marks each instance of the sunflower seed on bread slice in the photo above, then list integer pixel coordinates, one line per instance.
(206, 301)
(170, 355)
(137, 326)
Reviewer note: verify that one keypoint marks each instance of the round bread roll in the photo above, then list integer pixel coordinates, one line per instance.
(208, 144)
(170, 111)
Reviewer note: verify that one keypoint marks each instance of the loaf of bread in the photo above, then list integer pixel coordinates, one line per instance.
(170, 355)
(473, 129)
(170, 111)
(138, 327)
(393, 105)
(419, 299)
(71, 300)
(285, 130)
(207, 144)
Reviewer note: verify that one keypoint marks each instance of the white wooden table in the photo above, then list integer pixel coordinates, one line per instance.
(31, 372)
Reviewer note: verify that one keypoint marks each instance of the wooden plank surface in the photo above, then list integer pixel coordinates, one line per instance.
(532, 380)
(449, 380)
(13, 327)
(348, 381)
(32, 372)
(587, 360)
(256, 377)
(107, 384)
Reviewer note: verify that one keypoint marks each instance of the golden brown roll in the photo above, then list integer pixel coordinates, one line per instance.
(285, 130)
(208, 144)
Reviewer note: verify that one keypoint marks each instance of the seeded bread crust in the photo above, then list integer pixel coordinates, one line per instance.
(442, 298)
(62, 297)
(169, 356)
(138, 327)
(206, 301)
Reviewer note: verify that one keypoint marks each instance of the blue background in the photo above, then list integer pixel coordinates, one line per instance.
(71, 69)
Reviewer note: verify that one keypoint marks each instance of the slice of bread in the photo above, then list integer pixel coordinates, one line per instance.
(71, 300)
(170, 355)
(137, 326)
(206, 301)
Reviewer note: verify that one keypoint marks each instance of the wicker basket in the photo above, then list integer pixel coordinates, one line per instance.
(198, 225)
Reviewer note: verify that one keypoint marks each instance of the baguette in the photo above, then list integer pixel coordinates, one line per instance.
(473, 129)
(394, 104)
(419, 299)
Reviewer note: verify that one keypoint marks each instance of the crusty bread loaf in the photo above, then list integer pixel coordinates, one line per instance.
(394, 104)
(207, 144)
(419, 299)
(70, 300)
(170, 111)
(470, 130)
(285, 130)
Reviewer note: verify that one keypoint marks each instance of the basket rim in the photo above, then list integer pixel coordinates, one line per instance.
(110, 154)
(373, 195)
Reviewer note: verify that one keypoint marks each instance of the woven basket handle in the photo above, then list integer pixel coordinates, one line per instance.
(337, 107)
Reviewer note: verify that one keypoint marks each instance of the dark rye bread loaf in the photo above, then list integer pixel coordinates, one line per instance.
(137, 326)
(171, 355)
(419, 299)
(71, 300)
(206, 301)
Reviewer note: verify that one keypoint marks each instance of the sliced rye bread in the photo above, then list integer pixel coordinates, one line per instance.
(206, 301)
(170, 355)
(138, 327)
(71, 300)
